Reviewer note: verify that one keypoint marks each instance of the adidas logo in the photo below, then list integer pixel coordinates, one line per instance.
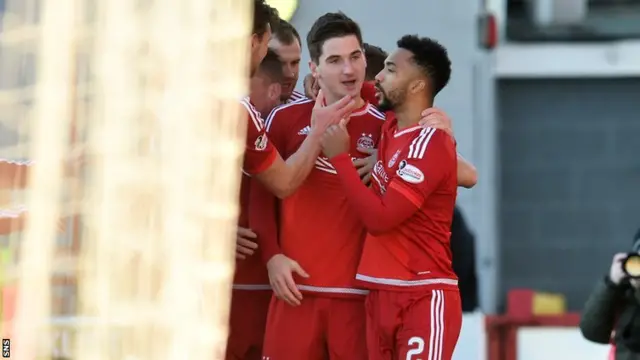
(305, 131)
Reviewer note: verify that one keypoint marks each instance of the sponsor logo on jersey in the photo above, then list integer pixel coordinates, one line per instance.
(305, 131)
(365, 141)
(394, 158)
(410, 173)
(378, 170)
(261, 142)
(380, 176)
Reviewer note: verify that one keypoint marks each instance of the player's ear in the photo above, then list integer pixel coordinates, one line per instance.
(364, 58)
(255, 41)
(314, 69)
(417, 86)
(274, 91)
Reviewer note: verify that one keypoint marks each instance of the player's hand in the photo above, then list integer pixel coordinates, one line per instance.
(616, 273)
(324, 116)
(365, 165)
(335, 140)
(245, 244)
(438, 119)
(311, 87)
(281, 269)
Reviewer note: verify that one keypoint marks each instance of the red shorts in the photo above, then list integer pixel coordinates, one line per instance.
(413, 325)
(247, 321)
(318, 329)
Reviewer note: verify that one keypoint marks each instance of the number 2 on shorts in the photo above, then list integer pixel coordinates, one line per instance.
(419, 343)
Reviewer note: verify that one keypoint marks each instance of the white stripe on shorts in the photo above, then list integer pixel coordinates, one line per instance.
(436, 337)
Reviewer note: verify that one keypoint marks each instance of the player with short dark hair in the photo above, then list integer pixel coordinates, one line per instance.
(413, 307)
(286, 43)
(265, 87)
(375, 60)
(265, 18)
(251, 290)
(318, 231)
(330, 26)
(286, 33)
(261, 159)
(433, 117)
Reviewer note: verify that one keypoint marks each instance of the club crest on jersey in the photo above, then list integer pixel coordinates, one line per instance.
(365, 141)
(409, 173)
(393, 160)
(261, 142)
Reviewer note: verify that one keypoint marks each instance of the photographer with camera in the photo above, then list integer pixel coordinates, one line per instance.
(612, 312)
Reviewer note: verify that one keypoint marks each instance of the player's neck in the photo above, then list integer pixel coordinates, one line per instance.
(410, 113)
(330, 99)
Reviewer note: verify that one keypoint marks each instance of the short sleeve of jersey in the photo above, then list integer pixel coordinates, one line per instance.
(430, 159)
(259, 152)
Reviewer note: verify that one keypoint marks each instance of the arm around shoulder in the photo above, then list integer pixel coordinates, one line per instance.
(467, 173)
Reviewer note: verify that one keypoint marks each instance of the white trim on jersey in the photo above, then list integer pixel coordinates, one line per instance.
(325, 165)
(269, 120)
(405, 283)
(18, 162)
(407, 130)
(12, 213)
(418, 146)
(254, 114)
(295, 96)
(335, 290)
(375, 112)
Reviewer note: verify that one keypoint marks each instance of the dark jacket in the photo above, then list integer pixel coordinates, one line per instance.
(610, 308)
(464, 261)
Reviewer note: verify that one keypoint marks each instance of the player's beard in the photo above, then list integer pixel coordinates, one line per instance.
(389, 101)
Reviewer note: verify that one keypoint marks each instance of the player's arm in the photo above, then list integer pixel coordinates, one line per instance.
(438, 119)
(263, 162)
(406, 192)
(263, 219)
(467, 173)
(283, 178)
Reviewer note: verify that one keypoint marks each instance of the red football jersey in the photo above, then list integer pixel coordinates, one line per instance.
(420, 163)
(259, 152)
(259, 156)
(368, 92)
(295, 96)
(317, 227)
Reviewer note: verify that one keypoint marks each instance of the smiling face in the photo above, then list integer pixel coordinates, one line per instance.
(340, 68)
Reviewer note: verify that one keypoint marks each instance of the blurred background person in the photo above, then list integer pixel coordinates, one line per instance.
(612, 313)
(375, 60)
(463, 253)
